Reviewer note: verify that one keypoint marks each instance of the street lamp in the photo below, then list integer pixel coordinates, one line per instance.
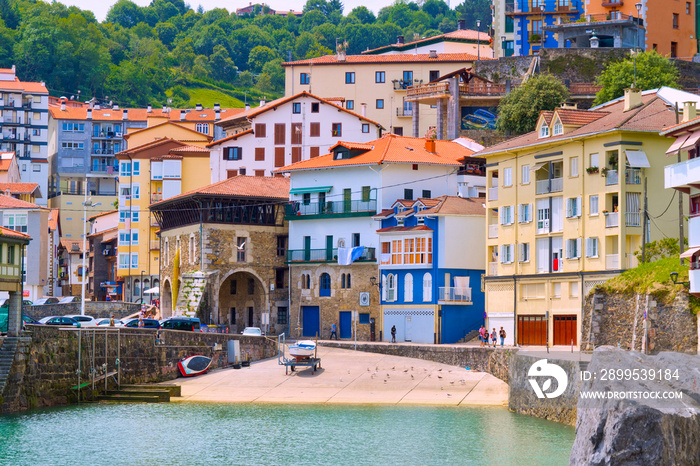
(541, 28)
(503, 45)
(478, 39)
(638, 6)
(141, 285)
(86, 203)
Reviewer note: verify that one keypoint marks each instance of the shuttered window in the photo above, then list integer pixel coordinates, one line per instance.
(296, 154)
(259, 154)
(260, 130)
(296, 133)
(279, 157)
(315, 130)
(313, 152)
(279, 134)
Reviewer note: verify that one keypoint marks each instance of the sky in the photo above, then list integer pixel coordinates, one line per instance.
(101, 7)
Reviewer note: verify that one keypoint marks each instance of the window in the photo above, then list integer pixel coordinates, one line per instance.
(134, 260)
(593, 162)
(525, 174)
(346, 281)
(573, 167)
(315, 130)
(556, 290)
(305, 281)
(408, 250)
(507, 253)
(36, 132)
(124, 237)
(296, 107)
(251, 286)
(260, 154)
(544, 130)
(233, 153)
(427, 287)
(507, 177)
(380, 104)
(306, 198)
(192, 249)
(573, 207)
(350, 77)
(687, 8)
(355, 240)
(509, 23)
(408, 288)
(242, 171)
(379, 77)
(202, 128)
(282, 315)
(433, 75)
(281, 246)
(525, 213)
(675, 20)
(137, 287)
(314, 107)
(573, 289)
(17, 222)
(296, 136)
(573, 248)
(70, 126)
(232, 287)
(279, 134)
(350, 105)
(123, 261)
(674, 49)
(314, 152)
(136, 191)
(593, 208)
(408, 194)
(426, 193)
(337, 129)
(260, 130)
(592, 247)
(304, 78)
(532, 290)
(137, 168)
(506, 213)
(324, 285)
(537, 25)
(389, 289)
(524, 252)
(558, 128)
(279, 279)
(73, 145)
(365, 127)
(241, 248)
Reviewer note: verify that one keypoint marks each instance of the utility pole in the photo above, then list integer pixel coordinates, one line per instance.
(83, 274)
(644, 223)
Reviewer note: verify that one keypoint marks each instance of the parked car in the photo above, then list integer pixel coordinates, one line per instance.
(42, 301)
(147, 323)
(189, 324)
(5, 303)
(104, 322)
(252, 331)
(61, 320)
(3, 320)
(69, 299)
(85, 320)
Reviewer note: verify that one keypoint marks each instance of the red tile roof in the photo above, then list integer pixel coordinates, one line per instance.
(6, 159)
(190, 150)
(395, 58)
(14, 234)
(242, 186)
(396, 229)
(53, 219)
(9, 202)
(140, 114)
(148, 145)
(454, 36)
(67, 244)
(102, 214)
(29, 87)
(19, 188)
(230, 138)
(141, 130)
(390, 149)
(385, 213)
(352, 145)
(574, 117)
(454, 205)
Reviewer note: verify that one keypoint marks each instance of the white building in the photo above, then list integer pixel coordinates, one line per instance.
(283, 132)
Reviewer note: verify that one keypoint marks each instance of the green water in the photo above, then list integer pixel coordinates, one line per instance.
(247, 434)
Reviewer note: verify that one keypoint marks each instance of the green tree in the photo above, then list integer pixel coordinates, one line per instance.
(166, 32)
(519, 110)
(659, 249)
(264, 83)
(653, 71)
(125, 13)
(9, 14)
(245, 79)
(221, 66)
(363, 14)
(259, 56)
(276, 73)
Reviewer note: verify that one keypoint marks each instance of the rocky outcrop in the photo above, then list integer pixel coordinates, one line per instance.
(634, 427)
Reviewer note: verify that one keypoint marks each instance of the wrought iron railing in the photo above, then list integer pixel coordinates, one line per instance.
(325, 255)
(330, 207)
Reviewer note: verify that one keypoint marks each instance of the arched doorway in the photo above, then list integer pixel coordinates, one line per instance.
(166, 304)
(242, 301)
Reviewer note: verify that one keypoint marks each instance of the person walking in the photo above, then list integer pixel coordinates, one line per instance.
(502, 334)
(393, 333)
(334, 331)
(111, 321)
(493, 337)
(482, 336)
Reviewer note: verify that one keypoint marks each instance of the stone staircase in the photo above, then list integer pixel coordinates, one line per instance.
(473, 335)
(141, 394)
(190, 294)
(7, 356)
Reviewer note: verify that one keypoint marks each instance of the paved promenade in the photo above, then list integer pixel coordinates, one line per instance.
(349, 377)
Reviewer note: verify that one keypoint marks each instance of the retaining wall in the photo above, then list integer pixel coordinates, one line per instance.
(96, 309)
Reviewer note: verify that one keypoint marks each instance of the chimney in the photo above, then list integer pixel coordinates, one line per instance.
(125, 115)
(149, 109)
(399, 39)
(363, 112)
(217, 107)
(63, 105)
(461, 24)
(432, 54)
(689, 111)
(183, 114)
(262, 103)
(633, 99)
(430, 145)
(115, 107)
(198, 107)
(165, 109)
(217, 115)
(247, 106)
(97, 106)
(89, 114)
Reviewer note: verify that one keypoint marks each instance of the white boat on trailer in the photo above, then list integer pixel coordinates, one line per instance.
(302, 349)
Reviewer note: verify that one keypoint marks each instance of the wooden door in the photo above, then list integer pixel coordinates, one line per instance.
(565, 330)
(532, 330)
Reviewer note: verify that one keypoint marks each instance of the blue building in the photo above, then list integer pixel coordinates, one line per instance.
(431, 265)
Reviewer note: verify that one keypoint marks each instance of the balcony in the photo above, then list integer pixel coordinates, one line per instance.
(402, 85)
(155, 245)
(682, 175)
(404, 112)
(156, 197)
(454, 295)
(105, 135)
(612, 220)
(337, 209)
(633, 219)
(493, 269)
(611, 177)
(612, 262)
(694, 276)
(325, 255)
(493, 230)
(633, 176)
(612, 3)
(154, 222)
(493, 194)
(106, 168)
(552, 185)
(105, 151)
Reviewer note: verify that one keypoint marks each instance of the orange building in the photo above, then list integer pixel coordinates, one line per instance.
(669, 24)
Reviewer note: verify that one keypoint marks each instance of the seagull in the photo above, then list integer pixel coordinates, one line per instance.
(242, 245)
(341, 379)
(406, 370)
(384, 380)
(440, 369)
(439, 376)
(452, 383)
(393, 368)
(411, 376)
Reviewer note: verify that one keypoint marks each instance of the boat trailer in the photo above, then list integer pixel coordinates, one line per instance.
(292, 363)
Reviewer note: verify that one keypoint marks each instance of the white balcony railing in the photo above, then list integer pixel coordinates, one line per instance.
(694, 281)
(633, 219)
(493, 230)
(681, 174)
(553, 185)
(611, 177)
(493, 269)
(493, 194)
(460, 295)
(633, 176)
(155, 245)
(612, 220)
(612, 262)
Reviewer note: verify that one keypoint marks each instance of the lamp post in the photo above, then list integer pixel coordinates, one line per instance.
(141, 286)
(503, 45)
(638, 6)
(478, 39)
(541, 27)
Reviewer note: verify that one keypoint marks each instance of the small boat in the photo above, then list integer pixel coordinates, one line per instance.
(302, 349)
(194, 365)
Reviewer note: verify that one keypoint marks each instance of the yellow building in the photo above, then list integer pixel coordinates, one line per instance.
(564, 211)
(155, 170)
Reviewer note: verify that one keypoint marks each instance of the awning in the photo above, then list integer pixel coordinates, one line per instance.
(676, 146)
(691, 141)
(154, 290)
(314, 189)
(539, 165)
(637, 158)
(689, 253)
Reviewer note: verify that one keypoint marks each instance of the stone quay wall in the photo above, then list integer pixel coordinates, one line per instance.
(617, 320)
(96, 309)
(44, 369)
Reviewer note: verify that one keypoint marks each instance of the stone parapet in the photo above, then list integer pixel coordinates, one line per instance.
(96, 309)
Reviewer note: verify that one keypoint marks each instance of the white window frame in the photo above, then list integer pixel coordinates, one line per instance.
(134, 260)
(506, 255)
(573, 207)
(593, 208)
(507, 177)
(525, 213)
(523, 252)
(573, 248)
(134, 236)
(427, 287)
(390, 287)
(573, 289)
(525, 174)
(124, 260)
(558, 129)
(136, 170)
(125, 169)
(506, 214)
(136, 190)
(573, 167)
(408, 288)
(592, 245)
(594, 160)
(544, 131)
(556, 289)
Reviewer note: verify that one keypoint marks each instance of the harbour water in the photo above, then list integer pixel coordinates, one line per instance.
(199, 433)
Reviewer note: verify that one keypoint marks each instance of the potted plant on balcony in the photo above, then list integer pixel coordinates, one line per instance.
(604, 171)
(605, 212)
(535, 38)
(592, 170)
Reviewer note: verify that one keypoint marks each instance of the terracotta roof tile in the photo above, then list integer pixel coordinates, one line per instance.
(405, 213)
(102, 214)
(395, 58)
(189, 150)
(578, 117)
(140, 114)
(384, 214)
(19, 188)
(29, 87)
(68, 245)
(393, 229)
(229, 138)
(9, 202)
(352, 145)
(53, 219)
(141, 130)
(390, 149)
(454, 205)
(12, 233)
(241, 186)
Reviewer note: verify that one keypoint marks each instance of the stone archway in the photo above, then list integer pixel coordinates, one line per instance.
(166, 303)
(243, 299)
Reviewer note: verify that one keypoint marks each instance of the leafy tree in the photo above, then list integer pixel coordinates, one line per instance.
(125, 13)
(363, 14)
(312, 19)
(7, 41)
(221, 66)
(659, 249)
(435, 8)
(519, 110)
(335, 6)
(264, 83)
(276, 73)
(653, 71)
(318, 5)
(166, 32)
(259, 56)
(245, 79)
(9, 14)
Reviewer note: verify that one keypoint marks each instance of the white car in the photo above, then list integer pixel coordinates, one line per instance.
(104, 322)
(252, 331)
(84, 320)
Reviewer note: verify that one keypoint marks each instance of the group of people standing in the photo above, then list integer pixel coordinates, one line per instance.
(491, 340)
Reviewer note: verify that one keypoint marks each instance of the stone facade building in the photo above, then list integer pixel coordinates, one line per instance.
(223, 251)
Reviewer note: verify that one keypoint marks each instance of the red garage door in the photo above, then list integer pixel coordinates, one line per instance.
(532, 330)
(565, 330)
